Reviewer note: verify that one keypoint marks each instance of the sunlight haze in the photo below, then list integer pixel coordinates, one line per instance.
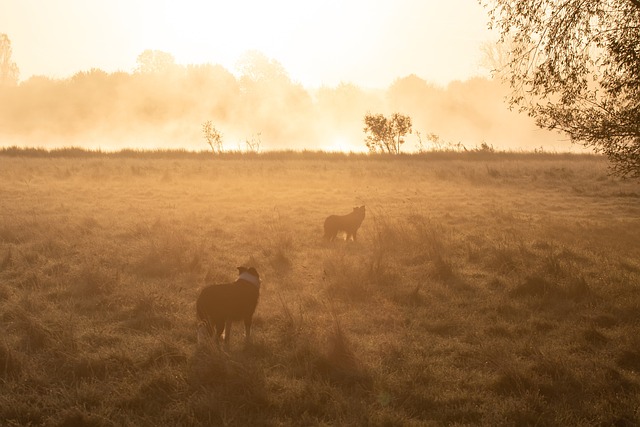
(318, 213)
(283, 74)
(366, 43)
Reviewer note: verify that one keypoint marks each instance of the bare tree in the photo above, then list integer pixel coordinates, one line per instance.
(155, 61)
(212, 136)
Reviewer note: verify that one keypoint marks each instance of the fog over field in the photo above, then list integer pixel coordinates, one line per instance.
(142, 75)
(162, 105)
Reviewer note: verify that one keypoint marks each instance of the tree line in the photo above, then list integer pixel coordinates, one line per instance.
(162, 104)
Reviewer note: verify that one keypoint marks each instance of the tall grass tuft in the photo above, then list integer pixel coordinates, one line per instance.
(7, 260)
(95, 280)
(340, 363)
(416, 241)
(151, 311)
(279, 244)
(10, 361)
(166, 254)
(349, 276)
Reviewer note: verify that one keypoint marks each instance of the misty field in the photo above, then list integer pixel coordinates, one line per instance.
(498, 290)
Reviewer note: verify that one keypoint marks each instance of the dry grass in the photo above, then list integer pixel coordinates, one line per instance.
(498, 291)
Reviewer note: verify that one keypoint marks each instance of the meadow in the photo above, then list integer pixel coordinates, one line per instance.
(482, 290)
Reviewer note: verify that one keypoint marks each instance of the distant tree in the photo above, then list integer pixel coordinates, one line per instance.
(9, 72)
(574, 65)
(257, 67)
(495, 56)
(270, 101)
(212, 136)
(386, 135)
(411, 93)
(484, 148)
(155, 61)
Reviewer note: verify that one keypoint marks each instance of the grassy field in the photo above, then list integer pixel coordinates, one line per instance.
(491, 291)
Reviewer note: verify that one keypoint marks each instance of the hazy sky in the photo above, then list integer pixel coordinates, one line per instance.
(369, 43)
